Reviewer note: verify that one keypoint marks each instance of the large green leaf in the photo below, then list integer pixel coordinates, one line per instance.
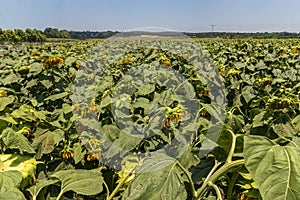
(14, 194)
(36, 189)
(27, 113)
(11, 78)
(5, 101)
(274, 168)
(166, 183)
(36, 68)
(8, 119)
(262, 118)
(188, 158)
(15, 140)
(14, 162)
(85, 182)
(45, 141)
(10, 179)
(146, 89)
(122, 141)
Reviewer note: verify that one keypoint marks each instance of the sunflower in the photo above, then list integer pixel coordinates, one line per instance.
(54, 61)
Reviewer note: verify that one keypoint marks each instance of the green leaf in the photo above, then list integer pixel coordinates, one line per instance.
(282, 126)
(146, 89)
(57, 96)
(261, 119)
(78, 154)
(67, 108)
(186, 88)
(166, 183)
(296, 123)
(127, 142)
(36, 68)
(247, 93)
(111, 132)
(85, 182)
(157, 161)
(236, 122)
(45, 141)
(8, 119)
(70, 60)
(15, 140)
(274, 168)
(123, 144)
(106, 101)
(14, 162)
(188, 158)
(48, 84)
(285, 129)
(14, 194)
(5, 101)
(10, 179)
(104, 84)
(261, 65)
(141, 102)
(11, 78)
(36, 189)
(31, 83)
(166, 98)
(23, 114)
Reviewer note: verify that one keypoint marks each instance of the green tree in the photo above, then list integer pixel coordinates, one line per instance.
(1, 35)
(39, 36)
(64, 34)
(20, 33)
(30, 37)
(51, 32)
(9, 35)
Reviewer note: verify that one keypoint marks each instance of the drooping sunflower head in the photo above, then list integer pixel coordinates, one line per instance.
(54, 61)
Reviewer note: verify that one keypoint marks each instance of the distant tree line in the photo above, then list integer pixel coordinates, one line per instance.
(107, 34)
(29, 35)
(91, 34)
(81, 35)
(244, 35)
(55, 33)
(18, 35)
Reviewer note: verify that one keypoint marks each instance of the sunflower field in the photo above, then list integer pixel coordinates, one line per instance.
(156, 118)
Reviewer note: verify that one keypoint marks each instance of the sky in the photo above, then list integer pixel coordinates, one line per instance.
(179, 15)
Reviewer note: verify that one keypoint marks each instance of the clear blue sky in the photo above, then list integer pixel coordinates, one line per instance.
(181, 15)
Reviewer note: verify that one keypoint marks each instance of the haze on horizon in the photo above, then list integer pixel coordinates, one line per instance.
(179, 15)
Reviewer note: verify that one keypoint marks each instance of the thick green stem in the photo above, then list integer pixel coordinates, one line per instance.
(231, 186)
(215, 176)
(189, 178)
(116, 190)
(218, 192)
(60, 195)
(225, 168)
(205, 183)
(231, 152)
(107, 189)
